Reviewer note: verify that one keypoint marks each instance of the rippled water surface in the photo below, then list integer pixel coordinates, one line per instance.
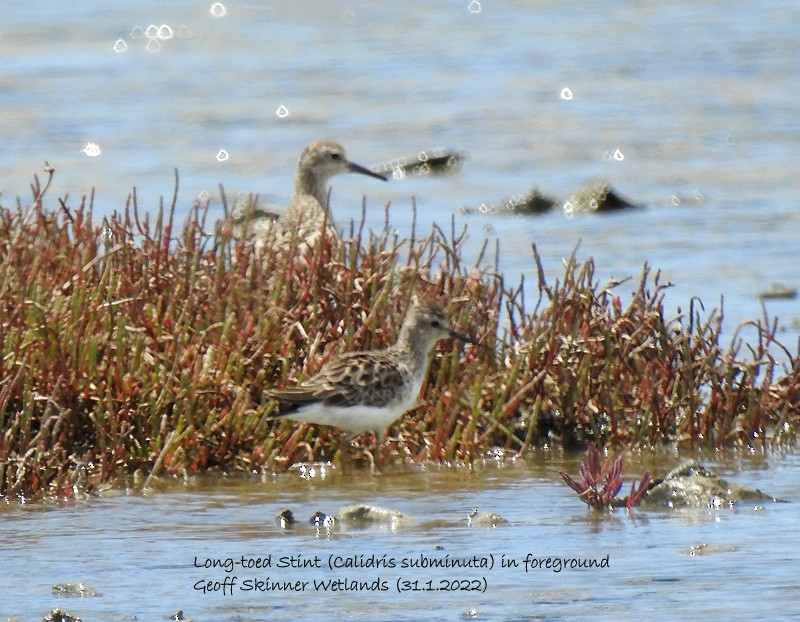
(147, 554)
(698, 98)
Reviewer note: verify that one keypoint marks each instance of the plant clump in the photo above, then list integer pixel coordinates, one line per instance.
(132, 344)
(600, 484)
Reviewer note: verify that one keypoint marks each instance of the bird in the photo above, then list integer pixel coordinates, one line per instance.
(367, 391)
(308, 211)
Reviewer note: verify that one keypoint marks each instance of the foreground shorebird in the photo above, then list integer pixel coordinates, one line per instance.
(308, 211)
(367, 391)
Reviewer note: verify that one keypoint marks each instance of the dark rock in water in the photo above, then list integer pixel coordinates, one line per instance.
(532, 203)
(72, 588)
(778, 291)
(431, 162)
(285, 518)
(364, 515)
(59, 615)
(320, 519)
(691, 485)
(599, 197)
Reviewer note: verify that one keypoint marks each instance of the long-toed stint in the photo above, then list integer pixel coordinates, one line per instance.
(308, 211)
(367, 391)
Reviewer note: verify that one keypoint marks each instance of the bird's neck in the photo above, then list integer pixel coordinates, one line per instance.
(415, 351)
(308, 184)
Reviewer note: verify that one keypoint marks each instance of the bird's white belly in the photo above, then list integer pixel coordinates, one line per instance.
(354, 420)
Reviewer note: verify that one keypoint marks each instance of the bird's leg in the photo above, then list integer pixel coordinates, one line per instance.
(344, 451)
(376, 458)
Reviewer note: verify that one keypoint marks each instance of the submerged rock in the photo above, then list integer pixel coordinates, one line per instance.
(426, 162)
(320, 519)
(365, 515)
(59, 615)
(778, 291)
(485, 519)
(691, 485)
(709, 549)
(72, 588)
(286, 518)
(598, 197)
(534, 202)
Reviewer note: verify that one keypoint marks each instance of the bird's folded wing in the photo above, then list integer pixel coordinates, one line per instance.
(355, 379)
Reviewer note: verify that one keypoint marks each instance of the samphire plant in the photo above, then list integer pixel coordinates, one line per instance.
(132, 344)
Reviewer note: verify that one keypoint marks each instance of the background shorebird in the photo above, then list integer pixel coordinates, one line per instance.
(308, 210)
(367, 391)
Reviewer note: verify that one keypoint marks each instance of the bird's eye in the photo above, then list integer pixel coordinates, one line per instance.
(335, 156)
(435, 324)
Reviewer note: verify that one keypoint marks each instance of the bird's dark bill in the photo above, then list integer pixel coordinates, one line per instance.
(356, 168)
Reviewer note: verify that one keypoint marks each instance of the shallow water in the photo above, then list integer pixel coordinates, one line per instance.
(147, 554)
(699, 98)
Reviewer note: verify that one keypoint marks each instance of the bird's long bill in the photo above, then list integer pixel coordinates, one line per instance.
(357, 168)
(463, 337)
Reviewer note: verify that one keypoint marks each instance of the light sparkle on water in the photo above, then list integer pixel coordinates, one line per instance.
(218, 10)
(91, 150)
(164, 32)
(614, 155)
